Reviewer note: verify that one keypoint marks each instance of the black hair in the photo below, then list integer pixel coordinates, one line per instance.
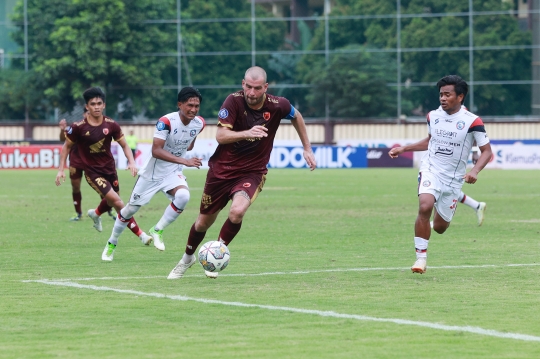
(189, 92)
(93, 92)
(460, 86)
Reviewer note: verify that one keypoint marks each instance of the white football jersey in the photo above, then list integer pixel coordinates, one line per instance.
(177, 138)
(452, 137)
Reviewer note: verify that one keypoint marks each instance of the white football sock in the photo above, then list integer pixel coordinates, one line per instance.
(118, 228)
(421, 245)
(186, 258)
(469, 201)
(181, 198)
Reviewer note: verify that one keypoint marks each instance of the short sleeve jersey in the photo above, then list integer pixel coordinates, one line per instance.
(94, 144)
(235, 159)
(452, 137)
(74, 158)
(178, 137)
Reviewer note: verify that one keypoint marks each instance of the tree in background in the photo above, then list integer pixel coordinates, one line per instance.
(18, 92)
(489, 65)
(125, 47)
(78, 44)
(355, 83)
(379, 32)
(226, 36)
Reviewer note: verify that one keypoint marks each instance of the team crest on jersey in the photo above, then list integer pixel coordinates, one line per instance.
(246, 185)
(460, 125)
(266, 116)
(105, 131)
(192, 133)
(426, 183)
(223, 113)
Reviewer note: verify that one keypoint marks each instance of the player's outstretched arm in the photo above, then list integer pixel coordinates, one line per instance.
(300, 127)
(61, 176)
(129, 155)
(421, 145)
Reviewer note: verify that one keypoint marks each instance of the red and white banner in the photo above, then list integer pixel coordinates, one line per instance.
(30, 157)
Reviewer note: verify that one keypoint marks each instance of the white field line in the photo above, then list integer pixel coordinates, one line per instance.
(331, 314)
(366, 269)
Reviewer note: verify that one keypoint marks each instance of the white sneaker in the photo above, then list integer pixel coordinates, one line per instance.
(158, 238)
(419, 266)
(480, 212)
(108, 252)
(97, 219)
(180, 269)
(211, 275)
(145, 238)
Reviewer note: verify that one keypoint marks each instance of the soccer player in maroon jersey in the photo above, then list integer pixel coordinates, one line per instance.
(248, 121)
(93, 136)
(76, 173)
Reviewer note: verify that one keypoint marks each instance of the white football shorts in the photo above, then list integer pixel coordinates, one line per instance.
(144, 189)
(446, 197)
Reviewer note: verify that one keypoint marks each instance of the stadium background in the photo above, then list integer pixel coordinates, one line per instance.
(361, 72)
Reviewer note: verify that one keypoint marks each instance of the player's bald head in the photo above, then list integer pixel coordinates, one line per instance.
(255, 73)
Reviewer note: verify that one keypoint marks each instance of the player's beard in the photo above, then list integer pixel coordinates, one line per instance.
(254, 102)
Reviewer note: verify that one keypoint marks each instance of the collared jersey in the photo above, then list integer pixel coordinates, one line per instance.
(452, 137)
(177, 138)
(94, 144)
(235, 159)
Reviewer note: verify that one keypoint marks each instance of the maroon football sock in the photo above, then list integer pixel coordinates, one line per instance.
(134, 227)
(229, 231)
(103, 207)
(195, 238)
(77, 198)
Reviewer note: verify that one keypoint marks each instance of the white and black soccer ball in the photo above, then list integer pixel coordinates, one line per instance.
(214, 256)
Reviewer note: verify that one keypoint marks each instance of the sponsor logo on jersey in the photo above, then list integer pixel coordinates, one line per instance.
(193, 133)
(175, 131)
(460, 125)
(266, 116)
(160, 125)
(105, 131)
(445, 133)
(87, 133)
(223, 113)
(69, 130)
(444, 151)
(436, 121)
(426, 184)
(246, 185)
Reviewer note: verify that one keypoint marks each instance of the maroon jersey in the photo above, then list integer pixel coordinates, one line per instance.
(94, 144)
(74, 158)
(235, 159)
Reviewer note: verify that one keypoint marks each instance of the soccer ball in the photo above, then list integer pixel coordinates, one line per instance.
(214, 256)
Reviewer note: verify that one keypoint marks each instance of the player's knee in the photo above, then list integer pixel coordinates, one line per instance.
(425, 209)
(181, 198)
(441, 229)
(129, 210)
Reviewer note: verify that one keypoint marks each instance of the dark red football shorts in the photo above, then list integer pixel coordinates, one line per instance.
(217, 191)
(102, 184)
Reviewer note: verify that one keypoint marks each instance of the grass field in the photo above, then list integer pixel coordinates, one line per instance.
(320, 269)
